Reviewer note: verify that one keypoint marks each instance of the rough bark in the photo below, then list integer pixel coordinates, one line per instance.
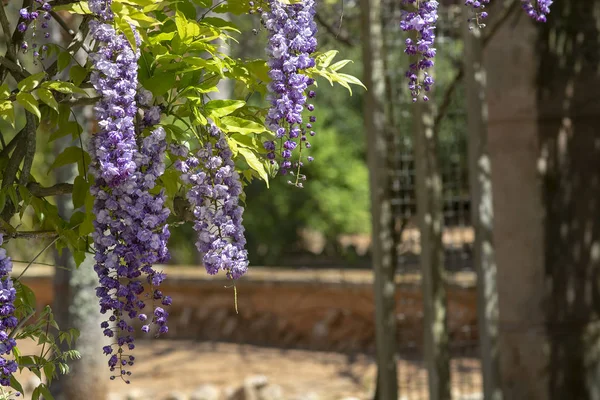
(482, 215)
(568, 120)
(382, 243)
(77, 307)
(429, 210)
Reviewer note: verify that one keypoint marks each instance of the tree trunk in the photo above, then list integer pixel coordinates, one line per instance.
(382, 241)
(482, 215)
(76, 306)
(568, 121)
(429, 210)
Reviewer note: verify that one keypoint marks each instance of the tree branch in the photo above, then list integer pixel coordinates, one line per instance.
(14, 68)
(443, 109)
(7, 33)
(76, 43)
(82, 101)
(30, 235)
(11, 145)
(30, 145)
(340, 38)
(38, 190)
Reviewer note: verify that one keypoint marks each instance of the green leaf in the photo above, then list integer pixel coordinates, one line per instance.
(254, 163)
(7, 112)
(26, 295)
(64, 59)
(11, 191)
(65, 128)
(47, 97)
(4, 92)
(169, 180)
(78, 257)
(80, 190)
(351, 79)
(2, 201)
(74, 8)
(323, 60)
(160, 83)
(241, 125)
(63, 87)
(125, 27)
(30, 103)
(71, 155)
(77, 73)
(339, 65)
(31, 82)
(44, 391)
(49, 370)
(15, 384)
(221, 108)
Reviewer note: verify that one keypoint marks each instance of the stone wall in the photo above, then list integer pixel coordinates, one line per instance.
(313, 309)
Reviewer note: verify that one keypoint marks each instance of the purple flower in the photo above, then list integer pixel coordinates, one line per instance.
(7, 319)
(291, 29)
(422, 21)
(539, 11)
(102, 9)
(130, 228)
(479, 15)
(214, 196)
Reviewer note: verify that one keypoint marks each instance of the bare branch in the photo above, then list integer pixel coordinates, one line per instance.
(491, 32)
(341, 38)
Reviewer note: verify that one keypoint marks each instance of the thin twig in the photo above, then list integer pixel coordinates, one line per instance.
(37, 256)
(341, 38)
(491, 32)
(21, 323)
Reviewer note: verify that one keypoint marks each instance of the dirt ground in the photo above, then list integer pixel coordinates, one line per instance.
(167, 366)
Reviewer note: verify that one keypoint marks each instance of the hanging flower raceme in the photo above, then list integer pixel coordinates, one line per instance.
(478, 7)
(422, 22)
(101, 8)
(36, 16)
(130, 228)
(214, 196)
(291, 30)
(537, 9)
(7, 318)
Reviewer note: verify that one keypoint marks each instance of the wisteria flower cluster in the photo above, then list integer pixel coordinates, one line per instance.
(422, 22)
(7, 318)
(214, 196)
(291, 31)
(32, 16)
(130, 228)
(537, 9)
(478, 7)
(101, 8)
